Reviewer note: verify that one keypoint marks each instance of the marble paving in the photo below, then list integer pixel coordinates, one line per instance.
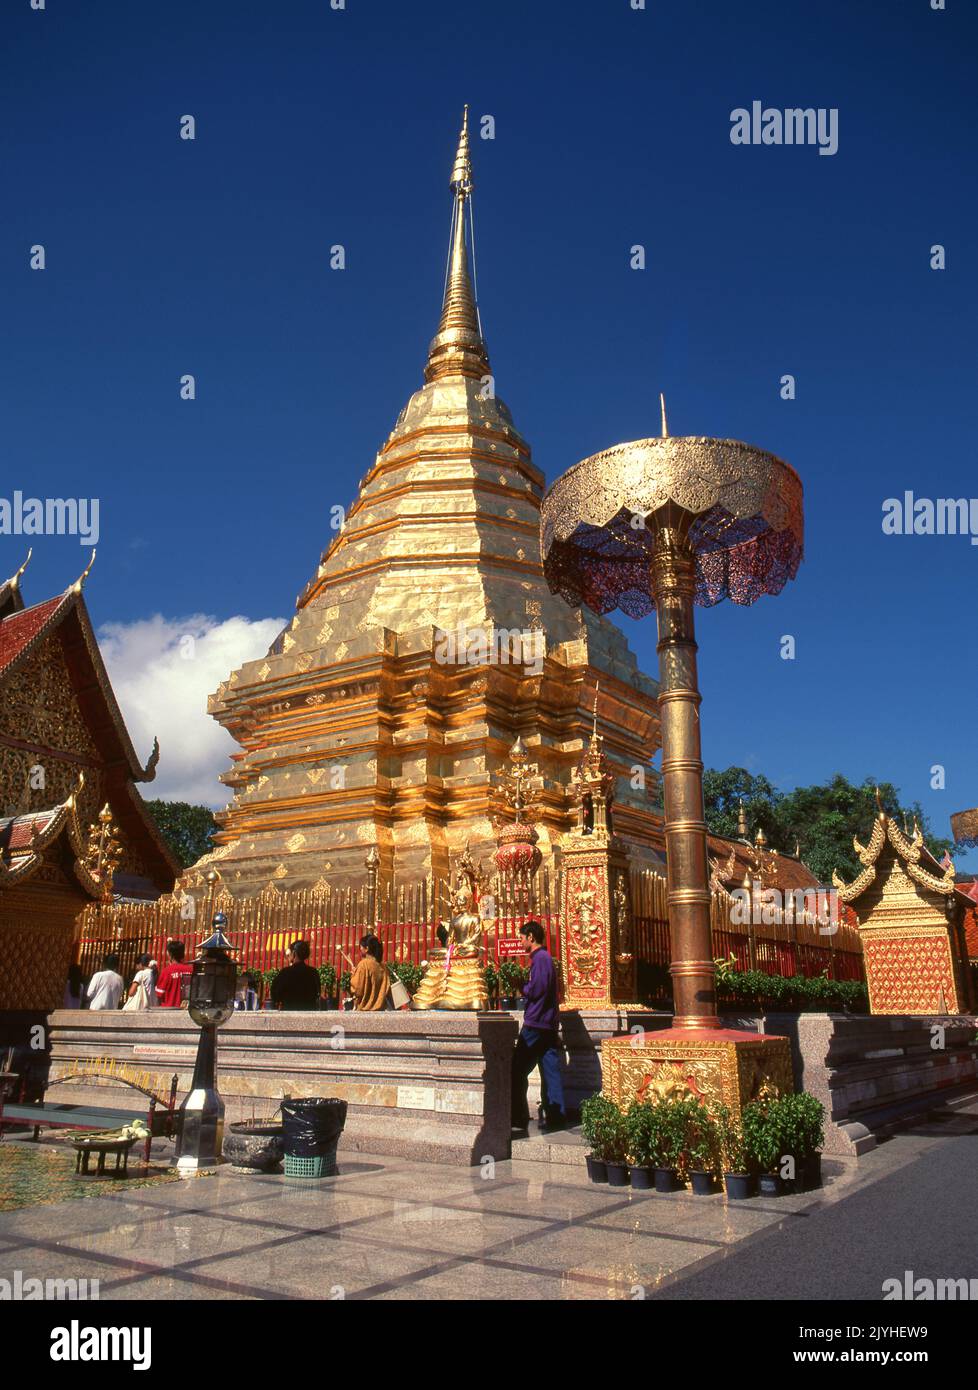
(390, 1229)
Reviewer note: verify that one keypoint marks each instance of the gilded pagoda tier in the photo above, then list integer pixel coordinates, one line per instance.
(425, 643)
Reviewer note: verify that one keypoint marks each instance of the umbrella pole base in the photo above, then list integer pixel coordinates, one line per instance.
(719, 1066)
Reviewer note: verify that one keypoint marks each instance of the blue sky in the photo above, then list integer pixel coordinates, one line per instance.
(317, 126)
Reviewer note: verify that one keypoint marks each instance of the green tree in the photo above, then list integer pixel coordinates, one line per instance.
(821, 819)
(186, 829)
(723, 793)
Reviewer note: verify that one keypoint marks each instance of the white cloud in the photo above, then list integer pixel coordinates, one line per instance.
(162, 671)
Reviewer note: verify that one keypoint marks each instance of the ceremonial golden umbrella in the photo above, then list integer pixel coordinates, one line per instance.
(664, 524)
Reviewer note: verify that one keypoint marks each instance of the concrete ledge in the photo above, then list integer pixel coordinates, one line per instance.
(870, 1070)
(422, 1085)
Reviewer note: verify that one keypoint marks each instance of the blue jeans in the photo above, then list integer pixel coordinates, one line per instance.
(537, 1047)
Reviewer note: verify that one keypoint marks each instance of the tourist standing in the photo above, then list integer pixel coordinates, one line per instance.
(245, 994)
(538, 1044)
(297, 986)
(170, 985)
(105, 987)
(74, 988)
(142, 991)
(370, 983)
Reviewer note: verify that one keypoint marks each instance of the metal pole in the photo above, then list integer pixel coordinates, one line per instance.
(692, 968)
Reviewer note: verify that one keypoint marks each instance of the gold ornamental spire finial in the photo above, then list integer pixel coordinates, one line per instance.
(458, 349)
(461, 180)
(79, 583)
(741, 821)
(15, 579)
(662, 408)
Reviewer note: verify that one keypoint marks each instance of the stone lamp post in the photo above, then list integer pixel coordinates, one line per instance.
(211, 1003)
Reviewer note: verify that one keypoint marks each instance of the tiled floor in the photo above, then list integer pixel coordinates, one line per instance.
(389, 1229)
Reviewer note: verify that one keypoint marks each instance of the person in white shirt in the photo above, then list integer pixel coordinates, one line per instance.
(105, 987)
(142, 991)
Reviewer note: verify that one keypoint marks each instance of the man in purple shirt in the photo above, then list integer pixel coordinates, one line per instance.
(539, 1041)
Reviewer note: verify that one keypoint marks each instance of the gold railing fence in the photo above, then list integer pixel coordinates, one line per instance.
(406, 916)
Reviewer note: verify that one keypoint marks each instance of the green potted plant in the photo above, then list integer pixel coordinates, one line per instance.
(763, 1145)
(512, 978)
(798, 1121)
(491, 977)
(327, 984)
(345, 982)
(737, 1177)
(603, 1126)
(670, 1152)
(701, 1145)
(642, 1131)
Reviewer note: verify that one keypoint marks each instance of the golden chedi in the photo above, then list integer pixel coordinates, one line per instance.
(423, 645)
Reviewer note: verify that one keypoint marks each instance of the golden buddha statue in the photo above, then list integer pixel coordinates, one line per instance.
(453, 977)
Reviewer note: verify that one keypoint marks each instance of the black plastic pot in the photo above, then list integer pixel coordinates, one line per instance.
(739, 1186)
(597, 1169)
(770, 1185)
(702, 1183)
(643, 1179)
(617, 1174)
(665, 1180)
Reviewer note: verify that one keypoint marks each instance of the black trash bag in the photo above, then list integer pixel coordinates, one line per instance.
(312, 1127)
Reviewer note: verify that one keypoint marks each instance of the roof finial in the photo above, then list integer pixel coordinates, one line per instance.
(15, 580)
(594, 725)
(741, 821)
(457, 349)
(462, 168)
(662, 407)
(78, 585)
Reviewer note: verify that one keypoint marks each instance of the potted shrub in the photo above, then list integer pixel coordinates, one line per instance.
(642, 1131)
(763, 1144)
(512, 978)
(670, 1151)
(701, 1148)
(737, 1177)
(603, 1126)
(491, 977)
(345, 988)
(799, 1123)
(327, 984)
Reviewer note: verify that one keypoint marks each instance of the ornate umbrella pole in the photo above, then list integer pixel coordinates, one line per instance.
(692, 969)
(662, 524)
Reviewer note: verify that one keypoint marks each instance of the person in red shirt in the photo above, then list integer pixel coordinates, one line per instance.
(169, 987)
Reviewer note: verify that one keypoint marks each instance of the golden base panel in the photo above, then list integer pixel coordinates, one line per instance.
(719, 1066)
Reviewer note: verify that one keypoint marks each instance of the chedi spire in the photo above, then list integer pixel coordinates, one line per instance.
(458, 349)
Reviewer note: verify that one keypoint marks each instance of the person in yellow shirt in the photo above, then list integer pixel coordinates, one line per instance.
(370, 983)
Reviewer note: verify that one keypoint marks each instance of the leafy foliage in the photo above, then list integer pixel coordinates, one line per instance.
(327, 979)
(409, 974)
(808, 993)
(731, 1147)
(186, 829)
(603, 1126)
(643, 1133)
(821, 819)
(512, 978)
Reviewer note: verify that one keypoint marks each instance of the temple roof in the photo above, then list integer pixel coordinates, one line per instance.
(734, 859)
(915, 859)
(24, 840)
(23, 631)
